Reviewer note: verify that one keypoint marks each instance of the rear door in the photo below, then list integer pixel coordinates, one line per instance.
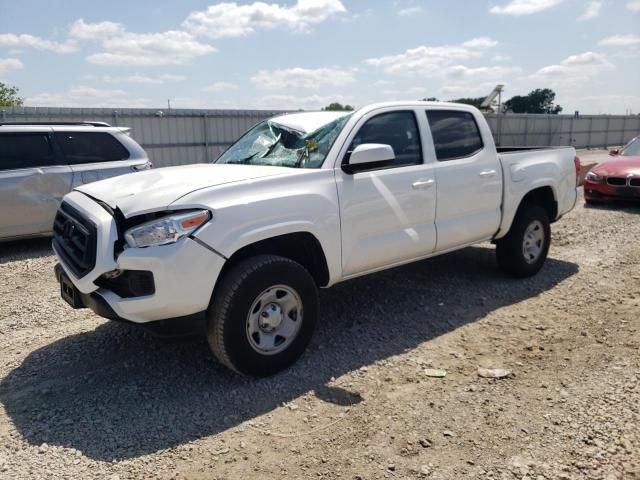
(468, 176)
(33, 180)
(98, 155)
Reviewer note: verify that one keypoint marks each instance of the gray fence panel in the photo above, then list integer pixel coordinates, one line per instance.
(184, 136)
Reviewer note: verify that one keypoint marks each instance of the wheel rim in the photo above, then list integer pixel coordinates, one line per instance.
(274, 320)
(533, 242)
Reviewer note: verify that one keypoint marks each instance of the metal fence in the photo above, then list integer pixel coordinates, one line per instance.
(180, 136)
(585, 131)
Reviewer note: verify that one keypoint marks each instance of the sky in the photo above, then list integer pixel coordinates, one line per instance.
(305, 54)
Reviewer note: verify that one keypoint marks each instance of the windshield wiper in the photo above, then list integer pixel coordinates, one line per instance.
(270, 148)
(242, 161)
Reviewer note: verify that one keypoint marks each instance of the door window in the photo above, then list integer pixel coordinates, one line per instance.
(90, 147)
(25, 150)
(398, 129)
(455, 134)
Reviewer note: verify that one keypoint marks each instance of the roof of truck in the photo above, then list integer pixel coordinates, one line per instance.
(311, 121)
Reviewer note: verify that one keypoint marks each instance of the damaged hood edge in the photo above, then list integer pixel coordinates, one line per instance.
(152, 190)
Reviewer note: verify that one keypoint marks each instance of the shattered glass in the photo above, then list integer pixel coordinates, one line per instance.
(270, 143)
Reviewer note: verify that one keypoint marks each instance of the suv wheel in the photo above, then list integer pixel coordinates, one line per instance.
(263, 315)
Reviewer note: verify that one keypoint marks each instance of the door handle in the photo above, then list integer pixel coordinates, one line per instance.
(423, 183)
(487, 173)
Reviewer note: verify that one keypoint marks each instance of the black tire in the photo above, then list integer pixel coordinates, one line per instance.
(509, 249)
(235, 295)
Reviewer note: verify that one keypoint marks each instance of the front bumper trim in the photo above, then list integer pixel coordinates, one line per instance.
(170, 327)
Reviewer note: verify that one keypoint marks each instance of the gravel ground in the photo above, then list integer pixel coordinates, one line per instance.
(85, 398)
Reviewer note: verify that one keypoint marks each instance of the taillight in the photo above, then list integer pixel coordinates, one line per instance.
(576, 162)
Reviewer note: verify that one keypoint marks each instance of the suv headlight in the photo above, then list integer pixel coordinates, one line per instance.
(166, 230)
(594, 177)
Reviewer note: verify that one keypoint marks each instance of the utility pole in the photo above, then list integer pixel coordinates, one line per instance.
(168, 104)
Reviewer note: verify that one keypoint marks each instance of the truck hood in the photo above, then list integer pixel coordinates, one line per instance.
(152, 190)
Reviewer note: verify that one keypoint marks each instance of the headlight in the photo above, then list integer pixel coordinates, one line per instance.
(166, 230)
(594, 177)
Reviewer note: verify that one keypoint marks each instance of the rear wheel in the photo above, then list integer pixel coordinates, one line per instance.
(263, 315)
(523, 251)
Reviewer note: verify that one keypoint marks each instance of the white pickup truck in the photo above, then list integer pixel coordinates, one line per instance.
(303, 201)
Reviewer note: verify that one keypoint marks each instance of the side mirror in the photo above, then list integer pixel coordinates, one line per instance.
(614, 151)
(369, 156)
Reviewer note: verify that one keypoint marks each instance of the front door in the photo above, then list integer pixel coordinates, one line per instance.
(387, 215)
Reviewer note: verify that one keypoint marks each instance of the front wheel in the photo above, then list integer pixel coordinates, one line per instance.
(263, 315)
(523, 251)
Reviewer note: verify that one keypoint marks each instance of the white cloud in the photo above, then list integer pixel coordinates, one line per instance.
(292, 102)
(26, 40)
(431, 61)
(633, 5)
(302, 78)
(132, 79)
(122, 48)
(150, 49)
(95, 31)
(574, 69)
(460, 72)
(480, 43)
(219, 87)
(142, 79)
(462, 81)
(173, 78)
(620, 40)
(83, 96)
(233, 20)
(186, 102)
(517, 8)
(407, 12)
(591, 10)
(8, 64)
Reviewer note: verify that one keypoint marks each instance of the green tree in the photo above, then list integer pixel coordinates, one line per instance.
(430, 99)
(539, 100)
(476, 102)
(9, 96)
(337, 107)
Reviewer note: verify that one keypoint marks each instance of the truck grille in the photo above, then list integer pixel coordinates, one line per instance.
(617, 181)
(74, 237)
(634, 182)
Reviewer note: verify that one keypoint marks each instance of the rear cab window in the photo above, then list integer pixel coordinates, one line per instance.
(25, 150)
(90, 147)
(455, 134)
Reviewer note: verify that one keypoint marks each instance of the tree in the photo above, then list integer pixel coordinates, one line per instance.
(9, 96)
(337, 107)
(430, 99)
(539, 100)
(476, 102)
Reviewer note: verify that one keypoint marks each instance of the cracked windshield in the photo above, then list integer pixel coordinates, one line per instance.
(272, 143)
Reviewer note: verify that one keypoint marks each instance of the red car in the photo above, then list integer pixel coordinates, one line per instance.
(616, 179)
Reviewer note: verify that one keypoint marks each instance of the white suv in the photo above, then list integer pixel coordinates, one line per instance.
(41, 163)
